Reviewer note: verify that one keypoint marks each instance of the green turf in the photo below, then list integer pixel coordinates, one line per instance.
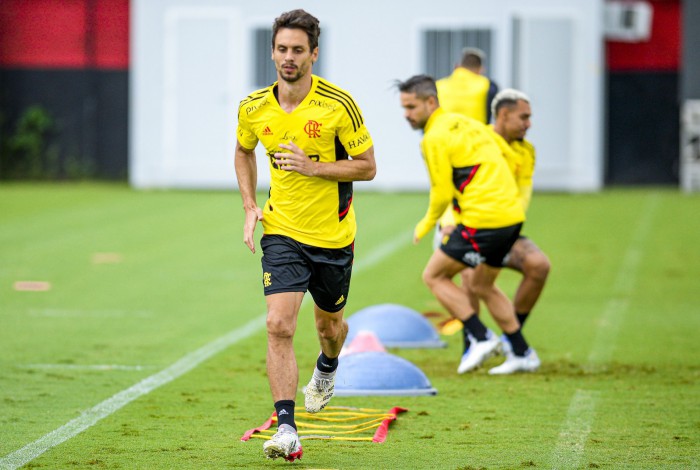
(616, 329)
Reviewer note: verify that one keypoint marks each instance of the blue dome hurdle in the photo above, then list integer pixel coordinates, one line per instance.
(396, 326)
(380, 374)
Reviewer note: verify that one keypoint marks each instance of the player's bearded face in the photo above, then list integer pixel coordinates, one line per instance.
(291, 72)
(416, 110)
(292, 55)
(518, 121)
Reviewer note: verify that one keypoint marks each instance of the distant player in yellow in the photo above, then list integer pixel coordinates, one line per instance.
(467, 91)
(467, 169)
(512, 112)
(314, 136)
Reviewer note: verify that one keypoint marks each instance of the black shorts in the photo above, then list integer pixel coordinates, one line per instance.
(506, 258)
(290, 266)
(473, 246)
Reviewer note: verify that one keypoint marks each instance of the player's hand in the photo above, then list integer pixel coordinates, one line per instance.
(252, 216)
(422, 229)
(416, 234)
(295, 160)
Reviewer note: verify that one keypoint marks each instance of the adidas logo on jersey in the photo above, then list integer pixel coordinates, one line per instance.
(267, 131)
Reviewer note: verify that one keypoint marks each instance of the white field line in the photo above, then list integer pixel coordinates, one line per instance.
(574, 433)
(386, 249)
(89, 418)
(575, 430)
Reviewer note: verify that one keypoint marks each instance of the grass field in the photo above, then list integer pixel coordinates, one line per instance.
(148, 348)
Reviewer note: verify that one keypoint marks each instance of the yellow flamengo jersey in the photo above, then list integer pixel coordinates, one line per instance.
(520, 155)
(466, 93)
(328, 126)
(465, 165)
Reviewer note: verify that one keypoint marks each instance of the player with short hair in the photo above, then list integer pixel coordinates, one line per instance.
(466, 168)
(512, 112)
(315, 138)
(467, 90)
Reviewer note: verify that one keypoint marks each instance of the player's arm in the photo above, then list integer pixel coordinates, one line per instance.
(524, 176)
(360, 167)
(440, 171)
(247, 175)
(525, 191)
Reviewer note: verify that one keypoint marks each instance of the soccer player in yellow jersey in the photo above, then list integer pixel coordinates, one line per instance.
(467, 91)
(314, 136)
(466, 168)
(512, 111)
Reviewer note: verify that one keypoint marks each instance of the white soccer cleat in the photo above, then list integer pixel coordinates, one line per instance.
(478, 352)
(285, 443)
(318, 393)
(527, 363)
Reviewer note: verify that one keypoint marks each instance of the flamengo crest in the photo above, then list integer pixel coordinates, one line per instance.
(312, 129)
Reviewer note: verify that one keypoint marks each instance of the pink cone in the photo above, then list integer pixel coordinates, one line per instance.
(364, 341)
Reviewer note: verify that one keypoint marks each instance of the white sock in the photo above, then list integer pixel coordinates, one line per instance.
(323, 375)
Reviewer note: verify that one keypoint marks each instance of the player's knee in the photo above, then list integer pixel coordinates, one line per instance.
(466, 276)
(537, 266)
(428, 278)
(278, 328)
(481, 290)
(331, 330)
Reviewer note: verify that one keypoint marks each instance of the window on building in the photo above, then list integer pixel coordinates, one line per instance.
(264, 67)
(443, 49)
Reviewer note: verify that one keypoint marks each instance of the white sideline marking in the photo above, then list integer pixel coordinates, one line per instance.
(616, 308)
(74, 427)
(84, 367)
(384, 250)
(572, 437)
(89, 418)
(575, 430)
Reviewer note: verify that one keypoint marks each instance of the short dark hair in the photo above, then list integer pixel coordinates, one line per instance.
(298, 19)
(472, 58)
(422, 85)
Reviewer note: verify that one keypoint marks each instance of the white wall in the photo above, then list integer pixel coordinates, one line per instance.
(191, 65)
